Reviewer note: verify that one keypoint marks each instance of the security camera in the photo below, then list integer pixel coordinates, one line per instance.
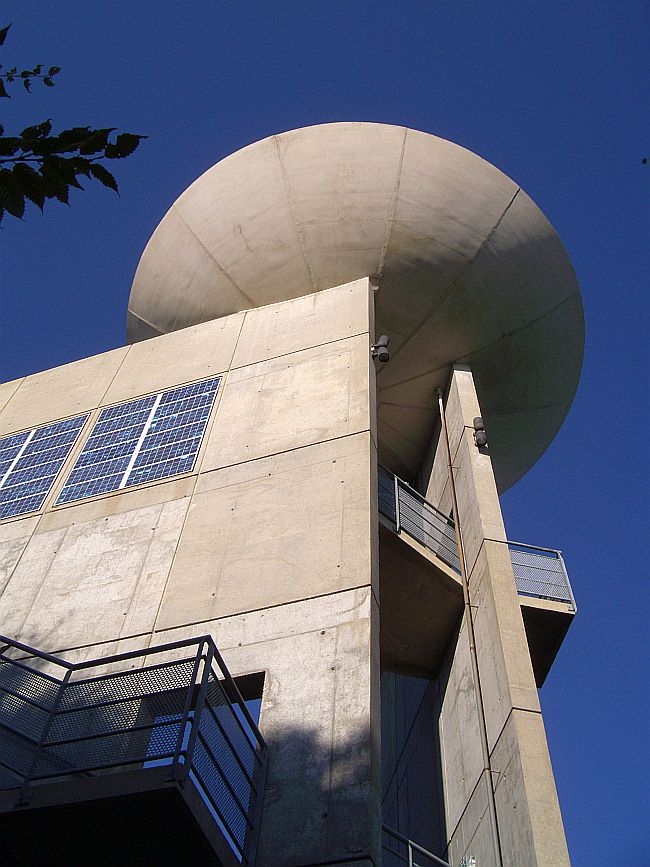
(380, 349)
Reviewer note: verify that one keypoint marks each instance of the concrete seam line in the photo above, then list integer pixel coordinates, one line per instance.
(296, 351)
(290, 202)
(392, 207)
(146, 322)
(463, 271)
(268, 608)
(300, 448)
(211, 256)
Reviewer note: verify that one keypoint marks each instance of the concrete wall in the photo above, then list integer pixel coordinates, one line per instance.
(270, 544)
(528, 815)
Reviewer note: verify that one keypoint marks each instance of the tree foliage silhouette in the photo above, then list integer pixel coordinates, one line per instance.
(37, 165)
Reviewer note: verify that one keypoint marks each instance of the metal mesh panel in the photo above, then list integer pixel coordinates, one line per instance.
(16, 752)
(428, 526)
(422, 521)
(541, 574)
(88, 753)
(28, 682)
(129, 684)
(386, 492)
(141, 717)
(213, 778)
(120, 719)
(224, 760)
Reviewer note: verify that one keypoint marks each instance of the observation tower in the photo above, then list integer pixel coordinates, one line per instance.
(260, 604)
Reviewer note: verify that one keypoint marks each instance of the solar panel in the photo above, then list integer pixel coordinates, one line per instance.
(143, 440)
(30, 461)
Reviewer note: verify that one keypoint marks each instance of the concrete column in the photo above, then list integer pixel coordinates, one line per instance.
(528, 815)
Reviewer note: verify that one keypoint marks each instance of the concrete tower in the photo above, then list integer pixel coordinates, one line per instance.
(256, 474)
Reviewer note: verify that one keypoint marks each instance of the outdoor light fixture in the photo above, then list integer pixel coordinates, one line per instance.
(380, 349)
(480, 437)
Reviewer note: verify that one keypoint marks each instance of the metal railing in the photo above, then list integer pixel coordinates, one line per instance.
(178, 707)
(539, 572)
(398, 849)
(410, 511)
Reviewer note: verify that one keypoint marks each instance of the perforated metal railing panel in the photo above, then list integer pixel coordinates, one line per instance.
(409, 511)
(228, 782)
(175, 712)
(540, 573)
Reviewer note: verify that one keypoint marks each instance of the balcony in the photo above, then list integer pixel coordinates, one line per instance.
(152, 754)
(540, 575)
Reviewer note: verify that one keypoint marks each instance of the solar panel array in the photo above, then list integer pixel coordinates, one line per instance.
(30, 461)
(143, 440)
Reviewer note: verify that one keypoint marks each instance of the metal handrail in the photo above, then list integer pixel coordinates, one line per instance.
(539, 572)
(411, 847)
(413, 514)
(160, 713)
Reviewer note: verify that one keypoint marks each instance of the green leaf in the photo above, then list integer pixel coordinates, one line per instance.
(3, 34)
(9, 145)
(37, 69)
(39, 130)
(47, 81)
(82, 166)
(3, 89)
(95, 142)
(72, 139)
(27, 85)
(55, 189)
(124, 146)
(104, 176)
(53, 70)
(60, 170)
(11, 198)
(30, 184)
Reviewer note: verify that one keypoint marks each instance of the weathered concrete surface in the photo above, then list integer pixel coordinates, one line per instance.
(273, 530)
(93, 581)
(421, 603)
(546, 624)
(525, 776)
(278, 519)
(304, 398)
(531, 835)
(7, 390)
(175, 358)
(311, 320)
(60, 392)
(14, 537)
(470, 270)
(318, 720)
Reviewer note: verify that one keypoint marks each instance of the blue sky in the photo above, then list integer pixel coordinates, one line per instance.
(555, 95)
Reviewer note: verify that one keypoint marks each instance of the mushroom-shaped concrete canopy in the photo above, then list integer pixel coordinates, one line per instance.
(469, 269)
